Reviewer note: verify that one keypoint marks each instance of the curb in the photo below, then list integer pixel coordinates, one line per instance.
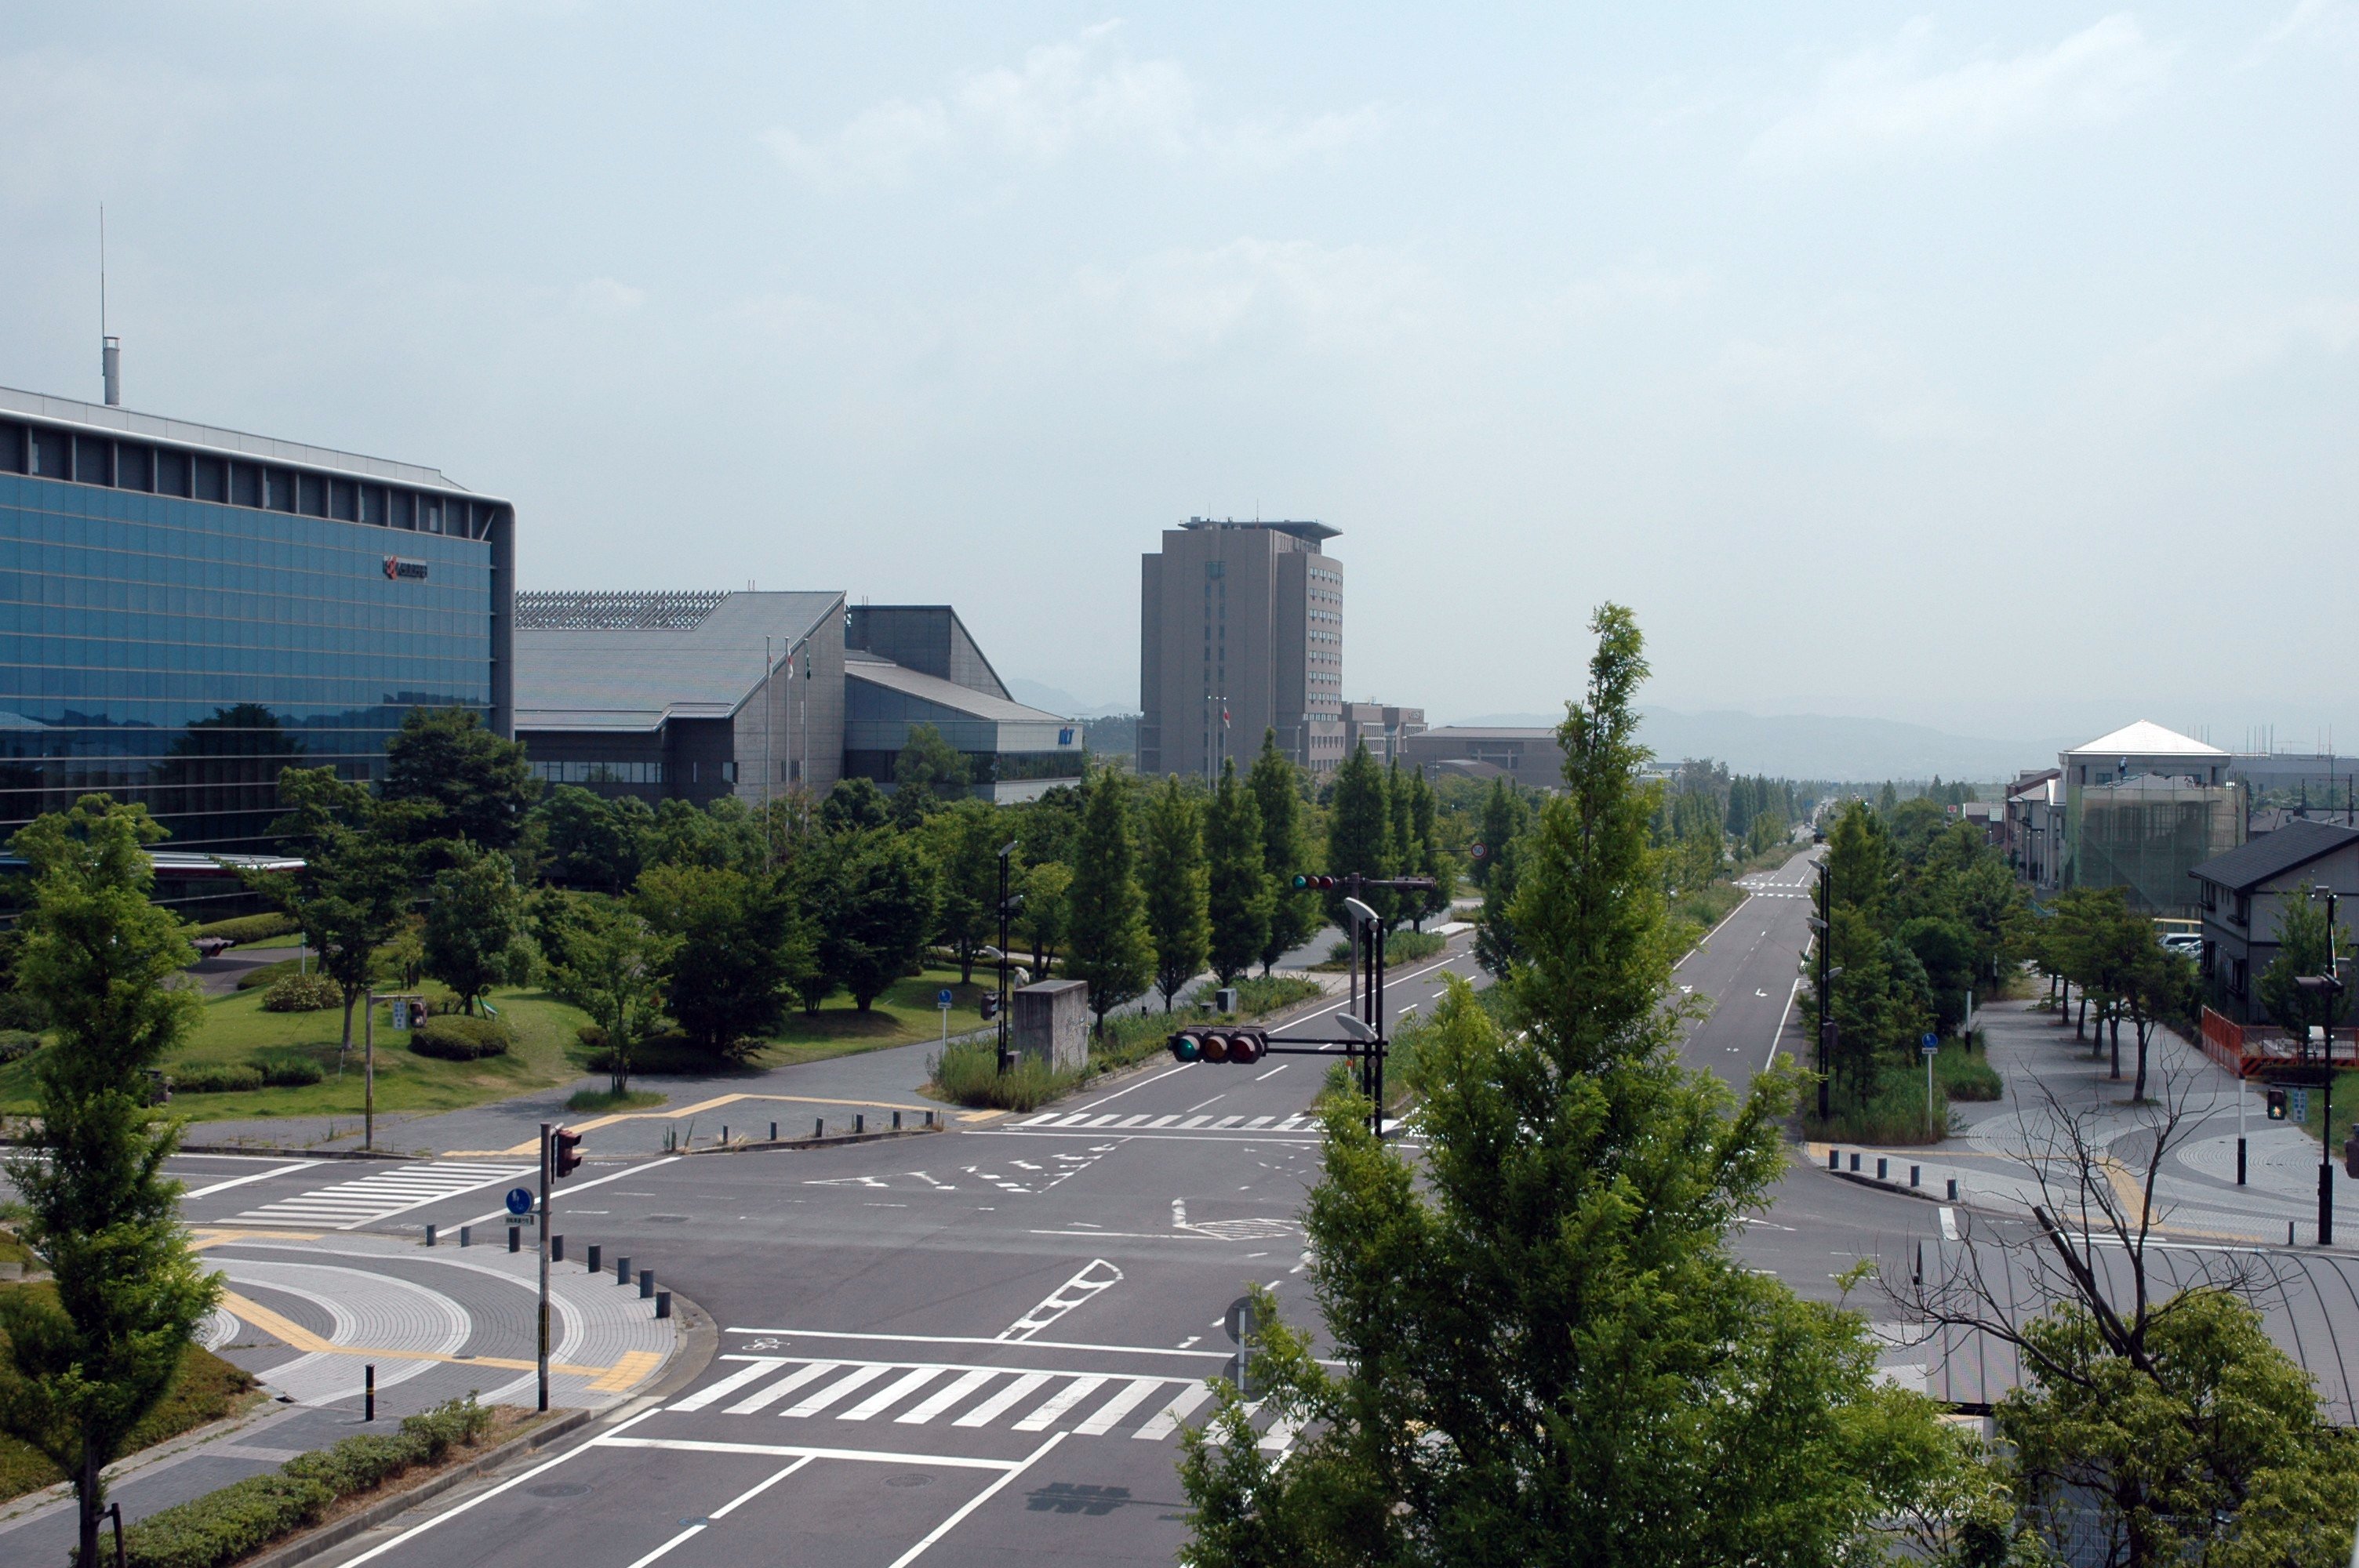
(268, 1152)
(1859, 1175)
(305, 1547)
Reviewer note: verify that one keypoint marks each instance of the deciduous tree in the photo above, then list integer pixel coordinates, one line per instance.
(1241, 894)
(741, 947)
(1173, 877)
(1111, 950)
(354, 890)
(474, 924)
(1275, 783)
(476, 786)
(614, 971)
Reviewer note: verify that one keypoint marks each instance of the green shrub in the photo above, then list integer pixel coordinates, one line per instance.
(15, 1044)
(289, 1072)
(970, 1075)
(214, 1078)
(1965, 1075)
(18, 1010)
(247, 1515)
(663, 1054)
(457, 1038)
(1408, 946)
(248, 927)
(266, 975)
(1271, 993)
(302, 993)
(593, 1036)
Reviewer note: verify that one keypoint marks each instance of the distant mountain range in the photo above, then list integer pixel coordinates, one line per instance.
(1062, 703)
(1814, 746)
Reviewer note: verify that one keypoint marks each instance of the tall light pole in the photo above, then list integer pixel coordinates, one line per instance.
(2327, 988)
(1825, 929)
(1006, 906)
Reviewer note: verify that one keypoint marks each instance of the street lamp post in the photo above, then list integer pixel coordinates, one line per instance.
(1005, 904)
(2329, 988)
(1825, 932)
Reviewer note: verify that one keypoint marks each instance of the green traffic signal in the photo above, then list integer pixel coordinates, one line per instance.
(1300, 881)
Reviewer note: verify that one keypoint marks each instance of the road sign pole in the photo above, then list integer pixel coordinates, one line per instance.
(368, 1070)
(544, 1267)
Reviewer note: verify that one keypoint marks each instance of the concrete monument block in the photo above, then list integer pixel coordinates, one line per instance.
(1050, 1022)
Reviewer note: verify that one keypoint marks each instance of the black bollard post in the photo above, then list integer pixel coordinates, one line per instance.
(821, 1130)
(368, 1392)
(897, 1122)
(1915, 1172)
(466, 1235)
(515, 1237)
(622, 1270)
(1834, 1159)
(725, 1132)
(1954, 1189)
(591, 1263)
(774, 1133)
(429, 1235)
(557, 1249)
(663, 1303)
(860, 1123)
(647, 1283)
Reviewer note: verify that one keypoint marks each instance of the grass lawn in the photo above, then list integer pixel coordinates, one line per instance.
(548, 1051)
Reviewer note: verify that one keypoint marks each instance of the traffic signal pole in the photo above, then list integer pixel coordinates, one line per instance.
(545, 1184)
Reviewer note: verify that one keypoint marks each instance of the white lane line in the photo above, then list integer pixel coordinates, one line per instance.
(1121, 1405)
(1132, 1121)
(1949, 1225)
(1196, 1122)
(1711, 933)
(1142, 1083)
(892, 1394)
(974, 1502)
(1164, 1121)
(1074, 1120)
(1780, 1034)
(1037, 1120)
(860, 1378)
(1260, 1121)
(1390, 980)
(747, 1496)
(691, 1531)
(997, 1405)
(761, 1367)
(940, 1399)
(517, 1481)
(754, 1404)
(1166, 1420)
(1096, 1275)
(574, 1187)
(781, 1450)
(1047, 1416)
(1273, 1072)
(965, 1339)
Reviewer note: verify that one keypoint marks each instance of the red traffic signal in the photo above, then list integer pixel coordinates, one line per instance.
(564, 1150)
(1242, 1046)
(1305, 880)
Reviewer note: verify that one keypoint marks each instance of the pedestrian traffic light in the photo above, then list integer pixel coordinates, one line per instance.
(990, 1006)
(2351, 1152)
(564, 1146)
(1322, 883)
(1242, 1046)
(2277, 1105)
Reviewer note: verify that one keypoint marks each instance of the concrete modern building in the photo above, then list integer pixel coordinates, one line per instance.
(682, 695)
(698, 695)
(2244, 894)
(2143, 806)
(1381, 728)
(1529, 756)
(1240, 630)
(186, 610)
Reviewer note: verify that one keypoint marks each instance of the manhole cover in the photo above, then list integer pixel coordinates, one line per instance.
(909, 1480)
(667, 1219)
(558, 1489)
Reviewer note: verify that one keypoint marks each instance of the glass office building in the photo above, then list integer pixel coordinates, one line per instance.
(186, 611)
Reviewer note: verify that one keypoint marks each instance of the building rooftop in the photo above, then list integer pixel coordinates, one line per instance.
(211, 437)
(2272, 855)
(630, 661)
(1310, 530)
(2145, 739)
(865, 667)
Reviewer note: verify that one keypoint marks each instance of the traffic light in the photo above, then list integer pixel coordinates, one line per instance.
(2277, 1105)
(2351, 1152)
(1241, 1047)
(564, 1149)
(990, 1006)
(1322, 883)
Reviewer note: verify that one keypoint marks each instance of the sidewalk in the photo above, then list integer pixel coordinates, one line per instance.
(307, 1312)
(2196, 1190)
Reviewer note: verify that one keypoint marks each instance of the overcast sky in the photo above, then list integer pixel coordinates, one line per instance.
(1992, 366)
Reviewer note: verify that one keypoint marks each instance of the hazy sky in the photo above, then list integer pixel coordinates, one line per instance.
(1992, 366)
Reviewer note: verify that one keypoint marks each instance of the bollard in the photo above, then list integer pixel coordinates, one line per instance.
(860, 1123)
(515, 1237)
(2288, 1233)
(647, 1283)
(466, 1235)
(725, 1132)
(591, 1262)
(897, 1122)
(557, 1249)
(1882, 1165)
(1913, 1176)
(929, 1121)
(1834, 1159)
(622, 1270)
(1954, 1189)
(2239, 1162)
(663, 1303)
(774, 1133)
(1855, 1160)
(368, 1392)
(820, 1131)
(429, 1235)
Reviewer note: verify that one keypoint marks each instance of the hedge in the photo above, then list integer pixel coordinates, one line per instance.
(245, 1516)
(248, 927)
(288, 1073)
(15, 1044)
(457, 1038)
(302, 993)
(216, 1079)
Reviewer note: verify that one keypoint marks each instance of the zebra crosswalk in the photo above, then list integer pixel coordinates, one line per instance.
(348, 1206)
(1114, 1121)
(1149, 1408)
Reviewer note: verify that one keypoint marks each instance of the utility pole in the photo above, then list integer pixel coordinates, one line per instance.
(1825, 923)
(1005, 850)
(368, 1068)
(2329, 987)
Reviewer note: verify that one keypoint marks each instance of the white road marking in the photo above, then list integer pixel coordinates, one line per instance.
(756, 1403)
(762, 1366)
(1045, 1416)
(942, 1399)
(975, 1502)
(891, 1394)
(1949, 1225)
(1093, 1277)
(860, 1378)
(1167, 1420)
(241, 1181)
(1000, 1402)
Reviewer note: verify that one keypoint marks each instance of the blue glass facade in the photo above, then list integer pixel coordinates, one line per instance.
(181, 651)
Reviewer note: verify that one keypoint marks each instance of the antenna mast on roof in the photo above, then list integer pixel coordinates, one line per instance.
(110, 348)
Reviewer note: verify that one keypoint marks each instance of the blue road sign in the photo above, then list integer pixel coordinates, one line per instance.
(519, 1200)
(1931, 1044)
(942, 998)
